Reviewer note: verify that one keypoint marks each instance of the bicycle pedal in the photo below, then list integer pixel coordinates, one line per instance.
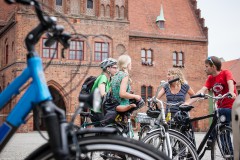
(208, 147)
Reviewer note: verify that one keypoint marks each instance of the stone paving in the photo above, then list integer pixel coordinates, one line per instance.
(24, 143)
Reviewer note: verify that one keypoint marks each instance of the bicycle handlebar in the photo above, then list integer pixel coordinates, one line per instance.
(173, 104)
(47, 24)
(173, 80)
(205, 96)
(24, 2)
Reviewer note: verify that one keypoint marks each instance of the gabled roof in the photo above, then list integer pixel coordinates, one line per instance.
(182, 19)
(234, 67)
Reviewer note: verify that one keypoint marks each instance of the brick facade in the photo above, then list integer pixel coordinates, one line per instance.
(128, 33)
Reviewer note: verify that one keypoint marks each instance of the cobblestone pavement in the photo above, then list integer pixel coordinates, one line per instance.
(24, 143)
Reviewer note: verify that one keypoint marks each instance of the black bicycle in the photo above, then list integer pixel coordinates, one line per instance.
(218, 138)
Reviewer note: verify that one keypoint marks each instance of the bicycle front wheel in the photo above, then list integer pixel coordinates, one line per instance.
(222, 146)
(182, 147)
(143, 131)
(104, 148)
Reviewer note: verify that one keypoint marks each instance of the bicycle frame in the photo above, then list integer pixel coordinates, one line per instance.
(36, 93)
(211, 128)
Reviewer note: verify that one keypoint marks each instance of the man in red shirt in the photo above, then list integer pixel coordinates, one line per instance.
(220, 82)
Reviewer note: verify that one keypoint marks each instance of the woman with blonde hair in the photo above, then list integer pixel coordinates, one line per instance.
(120, 84)
(176, 91)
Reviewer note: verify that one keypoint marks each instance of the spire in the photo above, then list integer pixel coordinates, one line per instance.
(161, 16)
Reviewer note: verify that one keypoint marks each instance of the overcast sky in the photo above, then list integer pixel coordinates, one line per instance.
(222, 17)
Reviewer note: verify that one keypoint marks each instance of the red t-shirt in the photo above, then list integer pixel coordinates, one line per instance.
(219, 85)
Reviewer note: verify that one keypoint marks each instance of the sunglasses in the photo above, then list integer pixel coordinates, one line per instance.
(210, 59)
(114, 67)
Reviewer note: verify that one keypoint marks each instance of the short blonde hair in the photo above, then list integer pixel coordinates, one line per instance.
(123, 62)
(177, 73)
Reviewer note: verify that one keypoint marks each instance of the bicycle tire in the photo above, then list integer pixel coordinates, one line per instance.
(104, 147)
(143, 131)
(182, 147)
(222, 149)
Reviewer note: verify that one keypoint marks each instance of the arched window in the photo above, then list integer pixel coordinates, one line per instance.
(122, 12)
(76, 50)
(143, 92)
(7, 53)
(149, 92)
(102, 11)
(117, 12)
(59, 6)
(101, 51)
(49, 52)
(107, 11)
(90, 4)
(146, 92)
(75, 6)
(147, 56)
(90, 8)
(13, 47)
(174, 58)
(59, 2)
(178, 59)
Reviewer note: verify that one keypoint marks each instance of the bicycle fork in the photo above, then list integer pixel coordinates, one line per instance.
(130, 129)
(57, 126)
(168, 144)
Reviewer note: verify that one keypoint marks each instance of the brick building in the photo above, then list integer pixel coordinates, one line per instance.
(233, 66)
(156, 34)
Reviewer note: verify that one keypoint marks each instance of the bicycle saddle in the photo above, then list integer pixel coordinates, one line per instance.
(185, 108)
(153, 113)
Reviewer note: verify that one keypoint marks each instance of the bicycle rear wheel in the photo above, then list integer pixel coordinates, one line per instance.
(104, 147)
(182, 147)
(222, 146)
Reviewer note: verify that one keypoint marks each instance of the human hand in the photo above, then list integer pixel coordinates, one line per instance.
(138, 98)
(185, 104)
(233, 95)
(132, 105)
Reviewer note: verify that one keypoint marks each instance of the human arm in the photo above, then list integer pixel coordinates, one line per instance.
(123, 90)
(191, 92)
(231, 88)
(192, 100)
(102, 89)
(161, 93)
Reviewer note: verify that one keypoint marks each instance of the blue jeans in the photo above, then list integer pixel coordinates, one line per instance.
(227, 113)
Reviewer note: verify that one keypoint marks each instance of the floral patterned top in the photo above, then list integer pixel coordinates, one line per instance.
(116, 83)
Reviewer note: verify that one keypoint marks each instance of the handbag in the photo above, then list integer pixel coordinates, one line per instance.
(109, 105)
(109, 102)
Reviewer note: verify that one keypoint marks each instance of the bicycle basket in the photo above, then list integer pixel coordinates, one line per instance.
(143, 118)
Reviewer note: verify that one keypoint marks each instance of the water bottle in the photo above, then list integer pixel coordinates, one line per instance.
(168, 118)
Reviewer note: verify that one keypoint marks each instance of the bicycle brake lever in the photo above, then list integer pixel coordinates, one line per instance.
(24, 2)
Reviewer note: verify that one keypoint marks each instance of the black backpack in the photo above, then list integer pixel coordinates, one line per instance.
(87, 85)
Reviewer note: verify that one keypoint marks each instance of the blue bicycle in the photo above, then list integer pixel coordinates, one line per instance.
(65, 141)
